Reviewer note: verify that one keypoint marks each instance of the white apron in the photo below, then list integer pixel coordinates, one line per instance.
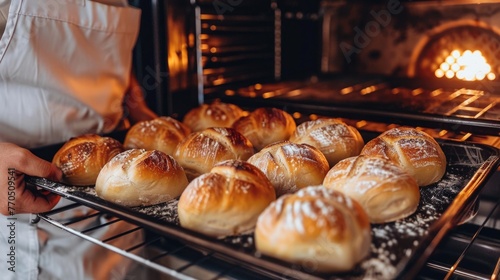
(64, 67)
(66, 56)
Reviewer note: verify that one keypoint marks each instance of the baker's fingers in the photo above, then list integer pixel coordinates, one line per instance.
(23, 161)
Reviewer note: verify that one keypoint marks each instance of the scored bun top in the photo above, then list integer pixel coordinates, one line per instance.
(201, 150)
(162, 133)
(384, 189)
(138, 177)
(334, 138)
(415, 151)
(291, 166)
(317, 225)
(264, 126)
(82, 158)
(215, 114)
(227, 200)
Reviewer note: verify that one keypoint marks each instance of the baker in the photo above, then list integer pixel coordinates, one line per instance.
(65, 70)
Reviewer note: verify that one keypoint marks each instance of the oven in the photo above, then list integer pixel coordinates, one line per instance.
(433, 65)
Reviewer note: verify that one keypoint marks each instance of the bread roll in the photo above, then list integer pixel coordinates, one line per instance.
(384, 190)
(201, 150)
(216, 114)
(265, 126)
(227, 200)
(290, 166)
(162, 134)
(415, 151)
(82, 158)
(320, 227)
(138, 177)
(334, 138)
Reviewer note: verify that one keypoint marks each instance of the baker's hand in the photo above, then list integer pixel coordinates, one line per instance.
(15, 196)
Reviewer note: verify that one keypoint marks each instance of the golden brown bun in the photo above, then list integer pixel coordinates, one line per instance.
(82, 158)
(334, 138)
(265, 126)
(201, 150)
(415, 151)
(227, 200)
(162, 133)
(216, 114)
(316, 225)
(138, 177)
(290, 166)
(384, 190)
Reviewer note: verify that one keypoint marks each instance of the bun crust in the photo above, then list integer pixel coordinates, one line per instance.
(316, 225)
(201, 150)
(82, 158)
(334, 138)
(290, 166)
(138, 177)
(385, 191)
(216, 114)
(264, 126)
(415, 151)
(227, 200)
(162, 133)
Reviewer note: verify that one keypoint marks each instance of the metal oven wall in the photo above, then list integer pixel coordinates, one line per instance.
(261, 41)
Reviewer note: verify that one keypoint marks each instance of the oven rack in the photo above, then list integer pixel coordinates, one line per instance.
(162, 256)
(472, 250)
(167, 257)
(456, 107)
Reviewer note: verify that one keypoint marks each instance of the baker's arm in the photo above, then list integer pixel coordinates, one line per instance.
(135, 105)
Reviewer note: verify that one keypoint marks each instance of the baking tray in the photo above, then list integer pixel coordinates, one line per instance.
(399, 249)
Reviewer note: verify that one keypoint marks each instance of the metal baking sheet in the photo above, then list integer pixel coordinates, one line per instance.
(399, 249)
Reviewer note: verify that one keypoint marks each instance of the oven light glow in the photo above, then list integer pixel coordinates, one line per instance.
(450, 60)
(229, 92)
(368, 90)
(449, 74)
(468, 66)
(439, 73)
(436, 92)
(444, 66)
(346, 90)
(417, 91)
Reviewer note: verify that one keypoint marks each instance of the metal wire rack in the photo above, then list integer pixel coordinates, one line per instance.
(472, 250)
(169, 258)
(164, 257)
(382, 99)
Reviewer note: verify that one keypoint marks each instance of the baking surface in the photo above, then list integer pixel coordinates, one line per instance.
(393, 244)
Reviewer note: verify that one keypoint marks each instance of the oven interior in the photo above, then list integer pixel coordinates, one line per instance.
(434, 65)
